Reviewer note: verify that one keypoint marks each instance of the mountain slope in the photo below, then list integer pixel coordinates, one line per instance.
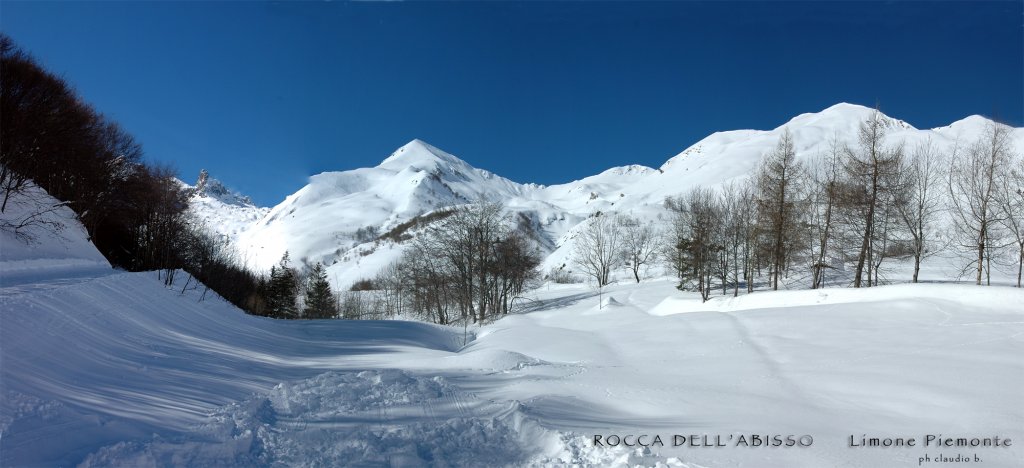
(221, 210)
(53, 249)
(335, 218)
(339, 210)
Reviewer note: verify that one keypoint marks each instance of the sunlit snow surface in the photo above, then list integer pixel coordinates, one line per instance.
(112, 368)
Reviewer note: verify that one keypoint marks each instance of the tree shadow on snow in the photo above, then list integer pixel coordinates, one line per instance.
(537, 305)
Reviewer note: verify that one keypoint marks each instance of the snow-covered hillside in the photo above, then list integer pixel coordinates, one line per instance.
(107, 368)
(336, 218)
(52, 248)
(221, 210)
(340, 210)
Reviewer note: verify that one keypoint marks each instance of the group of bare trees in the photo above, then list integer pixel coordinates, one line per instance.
(856, 206)
(985, 195)
(607, 240)
(470, 266)
(712, 239)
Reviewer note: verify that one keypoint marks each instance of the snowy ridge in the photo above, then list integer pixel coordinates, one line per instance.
(221, 210)
(319, 223)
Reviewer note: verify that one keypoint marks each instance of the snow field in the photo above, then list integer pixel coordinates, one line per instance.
(118, 370)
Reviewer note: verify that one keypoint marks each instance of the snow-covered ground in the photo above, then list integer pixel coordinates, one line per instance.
(99, 367)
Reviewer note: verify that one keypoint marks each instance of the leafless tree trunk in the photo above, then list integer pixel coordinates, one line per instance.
(738, 201)
(640, 243)
(826, 186)
(922, 201)
(974, 180)
(696, 239)
(1011, 202)
(871, 179)
(598, 245)
(779, 179)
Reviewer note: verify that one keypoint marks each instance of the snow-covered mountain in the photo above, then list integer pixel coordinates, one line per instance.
(336, 218)
(102, 367)
(338, 211)
(220, 209)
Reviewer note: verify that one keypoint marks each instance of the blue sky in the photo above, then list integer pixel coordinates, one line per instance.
(264, 95)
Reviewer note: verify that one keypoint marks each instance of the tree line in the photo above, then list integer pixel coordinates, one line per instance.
(470, 265)
(857, 205)
(134, 212)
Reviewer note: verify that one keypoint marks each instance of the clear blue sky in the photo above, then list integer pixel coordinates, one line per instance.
(265, 94)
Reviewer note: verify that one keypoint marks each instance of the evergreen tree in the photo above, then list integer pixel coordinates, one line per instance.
(319, 299)
(281, 294)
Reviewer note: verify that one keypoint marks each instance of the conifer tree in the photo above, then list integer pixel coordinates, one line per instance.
(281, 294)
(319, 298)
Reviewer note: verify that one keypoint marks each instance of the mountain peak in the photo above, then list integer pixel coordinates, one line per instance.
(846, 107)
(207, 186)
(421, 154)
(972, 123)
(843, 114)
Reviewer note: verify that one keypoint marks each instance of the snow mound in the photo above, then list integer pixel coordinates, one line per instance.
(53, 250)
(499, 360)
(964, 296)
(610, 301)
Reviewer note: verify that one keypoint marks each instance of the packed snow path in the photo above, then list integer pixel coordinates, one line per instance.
(120, 370)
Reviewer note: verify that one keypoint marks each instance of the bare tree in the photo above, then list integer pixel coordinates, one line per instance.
(471, 262)
(433, 284)
(11, 182)
(869, 188)
(32, 215)
(696, 240)
(1011, 203)
(598, 246)
(825, 187)
(974, 181)
(465, 241)
(922, 199)
(779, 183)
(734, 228)
(391, 285)
(640, 242)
